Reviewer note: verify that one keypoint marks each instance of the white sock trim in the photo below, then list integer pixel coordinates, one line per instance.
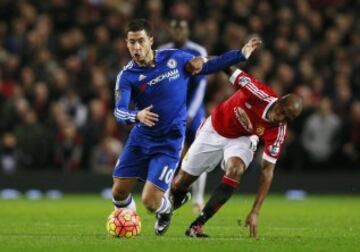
(164, 206)
(122, 203)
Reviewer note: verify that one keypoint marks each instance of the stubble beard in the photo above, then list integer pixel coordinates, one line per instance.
(146, 61)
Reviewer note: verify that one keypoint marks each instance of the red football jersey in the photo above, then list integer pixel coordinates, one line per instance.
(244, 114)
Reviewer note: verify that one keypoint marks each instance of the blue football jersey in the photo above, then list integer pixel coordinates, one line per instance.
(163, 86)
(197, 84)
(152, 153)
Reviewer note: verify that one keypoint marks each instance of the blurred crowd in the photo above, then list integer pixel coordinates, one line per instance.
(59, 60)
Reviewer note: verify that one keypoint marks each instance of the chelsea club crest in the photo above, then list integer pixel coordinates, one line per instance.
(171, 63)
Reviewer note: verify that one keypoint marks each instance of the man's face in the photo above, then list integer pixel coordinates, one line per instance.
(139, 44)
(280, 113)
(179, 31)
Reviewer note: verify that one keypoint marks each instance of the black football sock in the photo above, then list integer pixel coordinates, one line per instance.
(219, 197)
(177, 197)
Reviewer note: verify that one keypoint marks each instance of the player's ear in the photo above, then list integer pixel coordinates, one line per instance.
(151, 40)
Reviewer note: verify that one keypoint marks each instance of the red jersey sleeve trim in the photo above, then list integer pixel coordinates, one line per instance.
(235, 75)
(272, 150)
(269, 158)
(281, 135)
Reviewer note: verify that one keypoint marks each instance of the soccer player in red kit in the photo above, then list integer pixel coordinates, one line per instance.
(231, 135)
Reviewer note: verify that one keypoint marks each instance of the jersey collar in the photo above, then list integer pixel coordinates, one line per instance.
(266, 110)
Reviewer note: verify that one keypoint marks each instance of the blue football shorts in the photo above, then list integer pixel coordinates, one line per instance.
(152, 159)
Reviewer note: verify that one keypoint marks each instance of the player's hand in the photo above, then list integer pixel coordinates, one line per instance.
(147, 117)
(195, 65)
(251, 222)
(250, 46)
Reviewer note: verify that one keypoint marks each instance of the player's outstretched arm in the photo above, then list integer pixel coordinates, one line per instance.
(267, 171)
(201, 65)
(229, 71)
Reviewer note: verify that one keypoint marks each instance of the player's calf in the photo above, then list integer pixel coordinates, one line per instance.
(150, 203)
(229, 183)
(235, 167)
(156, 201)
(151, 197)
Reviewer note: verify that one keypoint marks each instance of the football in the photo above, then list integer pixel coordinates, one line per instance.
(123, 223)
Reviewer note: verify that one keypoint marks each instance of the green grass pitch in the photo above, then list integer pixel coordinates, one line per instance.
(77, 223)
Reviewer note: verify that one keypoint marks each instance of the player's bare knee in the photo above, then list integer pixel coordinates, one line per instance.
(117, 193)
(235, 168)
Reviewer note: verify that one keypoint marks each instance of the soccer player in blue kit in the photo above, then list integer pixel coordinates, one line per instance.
(157, 82)
(180, 33)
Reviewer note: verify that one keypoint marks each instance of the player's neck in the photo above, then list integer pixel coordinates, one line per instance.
(179, 44)
(149, 60)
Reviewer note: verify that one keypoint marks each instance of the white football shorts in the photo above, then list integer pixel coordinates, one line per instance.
(210, 148)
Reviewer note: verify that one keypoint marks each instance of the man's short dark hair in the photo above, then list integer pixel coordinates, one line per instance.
(139, 25)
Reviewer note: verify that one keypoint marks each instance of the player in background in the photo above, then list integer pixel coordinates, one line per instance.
(156, 82)
(180, 33)
(231, 135)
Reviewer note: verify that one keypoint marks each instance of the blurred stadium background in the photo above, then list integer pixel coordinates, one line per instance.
(59, 60)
